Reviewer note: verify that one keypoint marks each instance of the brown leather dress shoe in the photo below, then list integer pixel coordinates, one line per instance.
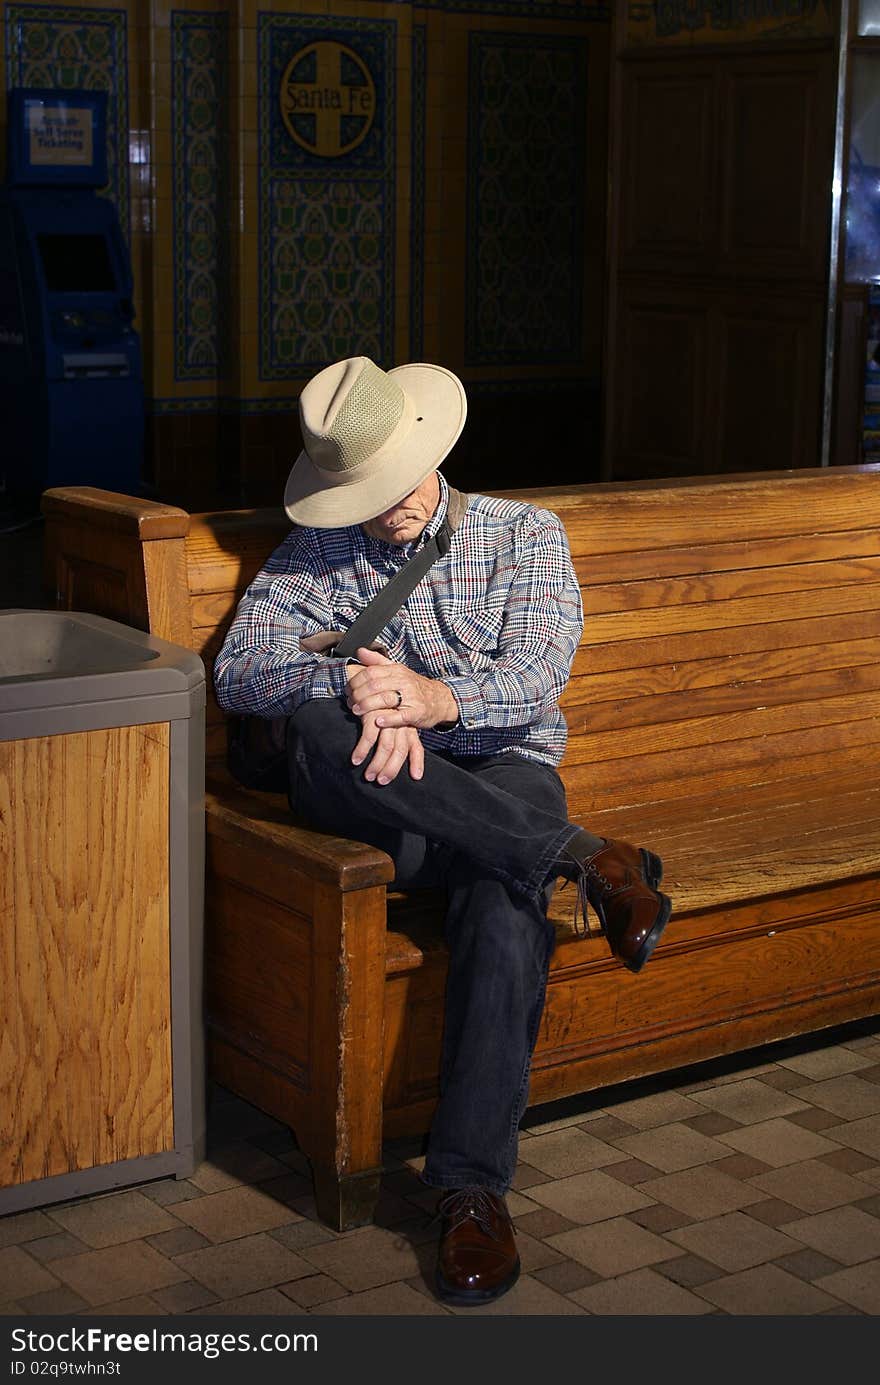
(477, 1259)
(620, 882)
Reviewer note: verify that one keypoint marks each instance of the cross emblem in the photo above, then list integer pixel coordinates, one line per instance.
(328, 99)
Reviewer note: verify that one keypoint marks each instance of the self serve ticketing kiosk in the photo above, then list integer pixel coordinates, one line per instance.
(71, 387)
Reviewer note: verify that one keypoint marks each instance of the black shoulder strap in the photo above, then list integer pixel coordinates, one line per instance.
(392, 596)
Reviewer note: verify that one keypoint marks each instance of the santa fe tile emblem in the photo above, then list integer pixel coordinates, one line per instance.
(328, 99)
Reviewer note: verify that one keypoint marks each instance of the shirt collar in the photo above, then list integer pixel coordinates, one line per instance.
(436, 519)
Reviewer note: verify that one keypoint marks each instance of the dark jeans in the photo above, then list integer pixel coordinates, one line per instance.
(488, 830)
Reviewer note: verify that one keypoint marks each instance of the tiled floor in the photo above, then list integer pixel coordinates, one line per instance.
(746, 1187)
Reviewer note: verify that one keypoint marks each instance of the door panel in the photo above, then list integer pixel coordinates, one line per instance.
(774, 203)
(767, 409)
(661, 425)
(667, 144)
(721, 179)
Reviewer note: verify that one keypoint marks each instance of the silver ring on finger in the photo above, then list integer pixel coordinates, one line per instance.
(399, 694)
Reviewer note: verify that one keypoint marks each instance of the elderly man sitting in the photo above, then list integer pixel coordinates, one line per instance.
(440, 746)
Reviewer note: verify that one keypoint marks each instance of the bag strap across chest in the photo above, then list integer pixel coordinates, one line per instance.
(389, 600)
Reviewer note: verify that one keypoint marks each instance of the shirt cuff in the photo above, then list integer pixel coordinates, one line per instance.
(330, 678)
(471, 703)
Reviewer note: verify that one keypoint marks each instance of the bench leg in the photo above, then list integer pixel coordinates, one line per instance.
(343, 1140)
(346, 1200)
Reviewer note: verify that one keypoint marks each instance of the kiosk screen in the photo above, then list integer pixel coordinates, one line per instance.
(76, 264)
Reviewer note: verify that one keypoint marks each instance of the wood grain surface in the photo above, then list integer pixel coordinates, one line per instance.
(85, 1060)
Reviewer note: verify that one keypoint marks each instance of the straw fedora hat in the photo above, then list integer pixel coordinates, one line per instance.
(370, 437)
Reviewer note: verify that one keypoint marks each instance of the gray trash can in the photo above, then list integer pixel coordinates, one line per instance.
(102, 733)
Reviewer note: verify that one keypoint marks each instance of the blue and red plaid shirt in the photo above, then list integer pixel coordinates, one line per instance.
(498, 619)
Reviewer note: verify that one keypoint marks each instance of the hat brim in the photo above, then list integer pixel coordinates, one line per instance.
(315, 498)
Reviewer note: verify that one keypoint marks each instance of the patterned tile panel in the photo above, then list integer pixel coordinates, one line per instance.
(597, 11)
(326, 188)
(684, 22)
(59, 47)
(199, 95)
(525, 239)
(202, 404)
(417, 197)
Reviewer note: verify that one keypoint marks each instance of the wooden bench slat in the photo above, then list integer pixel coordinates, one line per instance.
(738, 696)
(672, 775)
(625, 517)
(720, 732)
(209, 609)
(207, 643)
(728, 586)
(699, 880)
(687, 676)
(716, 615)
(667, 691)
(730, 639)
(650, 599)
(225, 553)
(233, 531)
(695, 559)
(851, 776)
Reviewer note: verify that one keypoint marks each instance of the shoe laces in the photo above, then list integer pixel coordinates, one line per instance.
(466, 1204)
(588, 879)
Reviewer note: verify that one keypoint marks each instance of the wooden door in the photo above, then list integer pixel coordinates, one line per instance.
(721, 165)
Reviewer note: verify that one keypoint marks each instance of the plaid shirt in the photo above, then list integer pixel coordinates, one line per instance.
(498, 619)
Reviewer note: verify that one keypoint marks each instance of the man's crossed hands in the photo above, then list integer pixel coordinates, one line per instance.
(393, 702)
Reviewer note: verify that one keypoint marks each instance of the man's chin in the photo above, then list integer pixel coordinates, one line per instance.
(402, 533)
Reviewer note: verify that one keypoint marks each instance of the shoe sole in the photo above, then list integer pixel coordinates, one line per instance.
(473, 1298)
(654, 936)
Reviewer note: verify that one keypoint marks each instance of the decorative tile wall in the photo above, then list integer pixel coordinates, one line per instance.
(417, 193)
(526, 148)
(319, 180)
(327, 114)
(593, 10)
(59, 46)
(200, 171)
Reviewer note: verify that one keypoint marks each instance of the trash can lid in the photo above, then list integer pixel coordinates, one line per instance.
(66, 658)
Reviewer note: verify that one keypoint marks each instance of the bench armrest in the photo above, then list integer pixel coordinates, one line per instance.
(118, 556)
(127, 514)
(262, 821)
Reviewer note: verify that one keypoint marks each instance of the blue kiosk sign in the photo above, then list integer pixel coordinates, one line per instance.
(71, 385)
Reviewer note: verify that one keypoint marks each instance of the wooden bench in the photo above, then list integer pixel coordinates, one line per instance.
(724, 708)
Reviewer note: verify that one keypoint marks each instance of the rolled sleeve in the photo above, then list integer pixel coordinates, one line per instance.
(262, 670)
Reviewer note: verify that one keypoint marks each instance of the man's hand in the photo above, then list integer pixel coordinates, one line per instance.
(393, 747)
(372, 695)
(373, 690)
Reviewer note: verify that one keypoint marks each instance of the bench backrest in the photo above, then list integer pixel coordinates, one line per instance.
(732, 624)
